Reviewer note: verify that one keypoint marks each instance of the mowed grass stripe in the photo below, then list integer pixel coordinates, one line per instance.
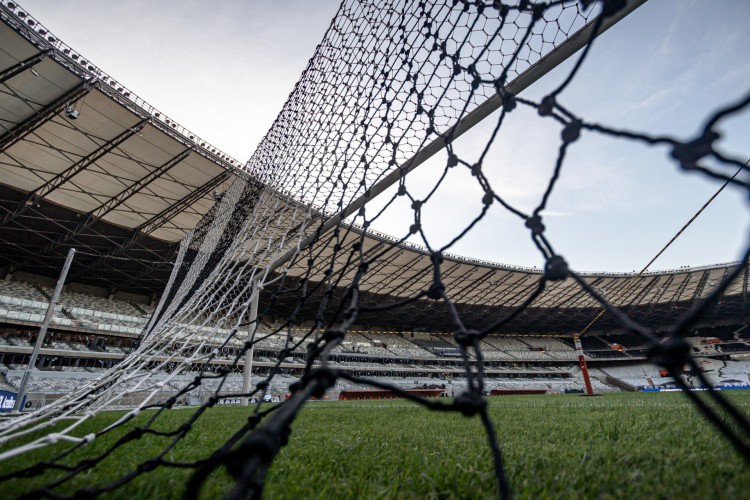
(614, 446)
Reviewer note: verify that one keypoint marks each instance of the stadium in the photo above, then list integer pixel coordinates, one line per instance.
(156, 290)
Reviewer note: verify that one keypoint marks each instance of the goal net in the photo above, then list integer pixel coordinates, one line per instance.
(287, 263)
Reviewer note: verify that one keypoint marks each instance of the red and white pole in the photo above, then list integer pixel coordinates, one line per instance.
(582, 362)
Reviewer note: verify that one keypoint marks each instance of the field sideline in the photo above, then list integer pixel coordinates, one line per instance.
(614, 446)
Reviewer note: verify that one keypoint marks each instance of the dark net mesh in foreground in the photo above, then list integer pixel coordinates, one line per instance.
(284, 258)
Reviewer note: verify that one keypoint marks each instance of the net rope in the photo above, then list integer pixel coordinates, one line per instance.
(388, 80)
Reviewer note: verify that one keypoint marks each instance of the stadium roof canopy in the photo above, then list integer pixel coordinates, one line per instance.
(484, 292)
(85, 163)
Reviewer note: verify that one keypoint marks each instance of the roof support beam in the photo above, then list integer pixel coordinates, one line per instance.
(113, 203)
(701, 286)
(148, 270)
(45, 189)
(662, 289)
(473, 285)
(618, 290)
(582, 299)
(568, 299)
(159, 220)
(373, 275)
(85, 162)
(134, 189)
(522, 291)
(22, 66)
(644, 290)
(478, 295)
(171, 211)
(407, 280)
(681, 288)
(44, 114)
(447, 272)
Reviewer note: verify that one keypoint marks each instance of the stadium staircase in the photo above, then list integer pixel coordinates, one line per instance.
(495, 347)
(416, 344)
(379, 342)
(138, 308)
(46, 295)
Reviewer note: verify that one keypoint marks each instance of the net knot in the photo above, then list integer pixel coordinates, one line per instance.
(313, 349)
(469, 403)
(261, 442)
(546, 106)
(535, 224)
(509, 102)
(671, 353)
(148, 466)
(320, 381)
(436, 290)
(262, 385)
(416, 205)
(488, 198)
(466, 338)
(35, 470)
(414, 228)
(537, 11)
(500, 6)
(436, 258)
(452, 160)
(363, 267)
(556, 269)
(688, 153)
(333, 336)
(572, 131)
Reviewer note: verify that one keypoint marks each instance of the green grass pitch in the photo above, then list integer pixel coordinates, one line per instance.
(614, 446)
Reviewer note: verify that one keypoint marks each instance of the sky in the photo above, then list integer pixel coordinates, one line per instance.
(224, 70)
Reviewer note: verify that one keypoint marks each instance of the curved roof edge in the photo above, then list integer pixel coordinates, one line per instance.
(38, 35)
(386, 238)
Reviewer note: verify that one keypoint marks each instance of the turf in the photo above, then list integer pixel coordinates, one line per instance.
(614, 446)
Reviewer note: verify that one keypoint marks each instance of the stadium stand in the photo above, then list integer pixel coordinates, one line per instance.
(103, 331)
